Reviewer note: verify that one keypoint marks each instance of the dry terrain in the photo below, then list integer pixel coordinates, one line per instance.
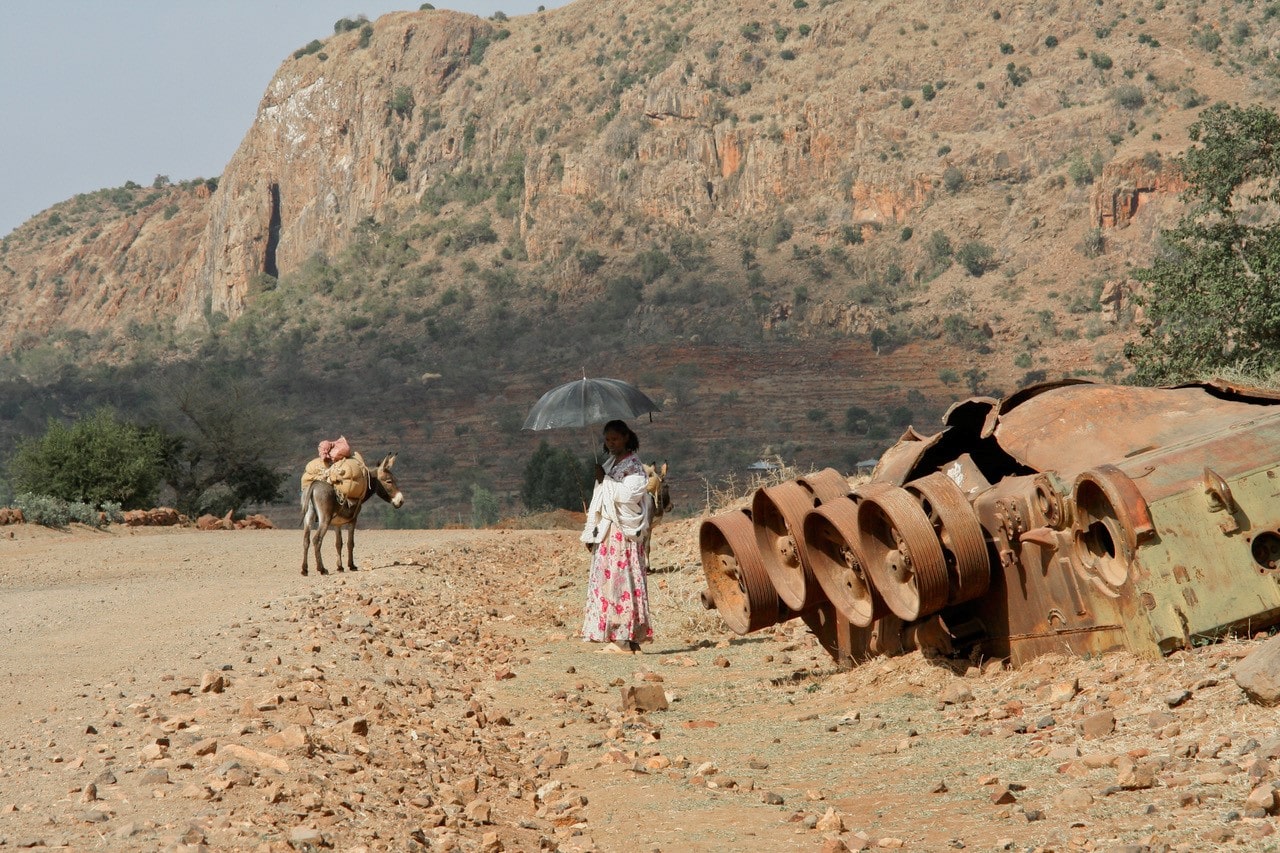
(184, 690)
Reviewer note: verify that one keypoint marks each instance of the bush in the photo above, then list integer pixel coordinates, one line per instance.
(1094, 244)
(313, 46)
(1130, 97)
(939, 247)
(401, 102)
(1100, 60)
(976, 257)
(484, 507)
(1080, 172)
(554, 479)
(343, 25)
(952, 179)
(97, 460)
(590, 261)
(1207, 39)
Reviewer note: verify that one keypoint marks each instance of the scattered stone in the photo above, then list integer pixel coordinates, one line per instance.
(1263, 797)
(1258, 675)
(831, 821)
(1098, 725)
(256, 758)
(644, 697)
(1075, 799)
(1003, 797)
(212, 682)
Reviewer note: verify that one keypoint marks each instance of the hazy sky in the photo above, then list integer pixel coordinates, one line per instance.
(93, 94)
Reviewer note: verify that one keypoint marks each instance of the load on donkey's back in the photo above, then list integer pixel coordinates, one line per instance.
(340, 467)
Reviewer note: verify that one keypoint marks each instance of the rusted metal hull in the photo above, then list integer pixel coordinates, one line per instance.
(1069, 517)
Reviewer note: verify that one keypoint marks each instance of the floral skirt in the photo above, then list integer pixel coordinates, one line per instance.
(617, 593)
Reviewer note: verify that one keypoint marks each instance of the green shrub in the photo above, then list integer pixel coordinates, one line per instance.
(590, 261)
(952, 179)
(976, 257)
(313, 46)
(1079, 171)
(1207, 39)
(42, 509)
(1100, 60)
(1050, 41)
(1093, 244)
(554, 479)
(1130, 97)
(401, 101)
(96, 460)
(484, 507)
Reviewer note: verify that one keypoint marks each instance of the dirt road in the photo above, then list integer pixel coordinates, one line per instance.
(168, 689)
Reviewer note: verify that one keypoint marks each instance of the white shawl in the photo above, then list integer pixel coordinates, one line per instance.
(618, 504)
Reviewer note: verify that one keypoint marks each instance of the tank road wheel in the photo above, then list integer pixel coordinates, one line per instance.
(826, 485)
(777, 513)
(903, 555)
(735, 576)
(831, 533)
(957, 527)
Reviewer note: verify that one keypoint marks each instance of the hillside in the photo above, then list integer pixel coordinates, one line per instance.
(803, 225)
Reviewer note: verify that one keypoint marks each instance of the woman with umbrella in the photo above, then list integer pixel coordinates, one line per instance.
(617, 611)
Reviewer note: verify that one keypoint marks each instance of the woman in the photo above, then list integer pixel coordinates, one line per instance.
(617, 612)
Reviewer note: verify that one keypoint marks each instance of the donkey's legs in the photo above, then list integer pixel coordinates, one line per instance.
(337, 541)
(318, 541)
(351, 548)
(308, 517)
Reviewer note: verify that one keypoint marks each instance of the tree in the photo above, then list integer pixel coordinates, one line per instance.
(553, 479)
(484, 506)
(217, 456)
(96, 460)
(1213, 291)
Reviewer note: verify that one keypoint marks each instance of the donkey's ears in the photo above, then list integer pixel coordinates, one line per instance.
(664, 469)
(388, 461)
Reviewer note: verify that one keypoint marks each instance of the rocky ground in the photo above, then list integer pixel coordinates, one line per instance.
(185, 690)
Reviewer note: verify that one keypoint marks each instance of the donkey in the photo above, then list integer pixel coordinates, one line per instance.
(321, 507)
(657, 500)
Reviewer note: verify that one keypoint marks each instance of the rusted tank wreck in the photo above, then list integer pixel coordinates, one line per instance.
(1068, 517)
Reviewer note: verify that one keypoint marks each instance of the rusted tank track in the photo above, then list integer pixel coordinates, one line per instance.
(1068, 516)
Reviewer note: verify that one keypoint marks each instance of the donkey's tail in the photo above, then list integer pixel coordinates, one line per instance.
(308, 505)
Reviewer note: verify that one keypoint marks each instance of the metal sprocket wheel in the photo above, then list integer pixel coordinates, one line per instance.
(735, 575)
(903, 555)
(957, 527)
(831, 533)
(778, 515)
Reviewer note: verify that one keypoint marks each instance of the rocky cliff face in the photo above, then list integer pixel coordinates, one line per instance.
(616, 125)
(326, 149)
(101, 261)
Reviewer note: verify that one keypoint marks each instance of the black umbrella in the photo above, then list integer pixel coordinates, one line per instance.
(589, 401)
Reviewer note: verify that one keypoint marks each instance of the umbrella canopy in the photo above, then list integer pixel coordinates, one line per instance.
(588, 401)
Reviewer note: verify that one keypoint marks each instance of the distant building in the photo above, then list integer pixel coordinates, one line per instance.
(762, 465)
(866, 466)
